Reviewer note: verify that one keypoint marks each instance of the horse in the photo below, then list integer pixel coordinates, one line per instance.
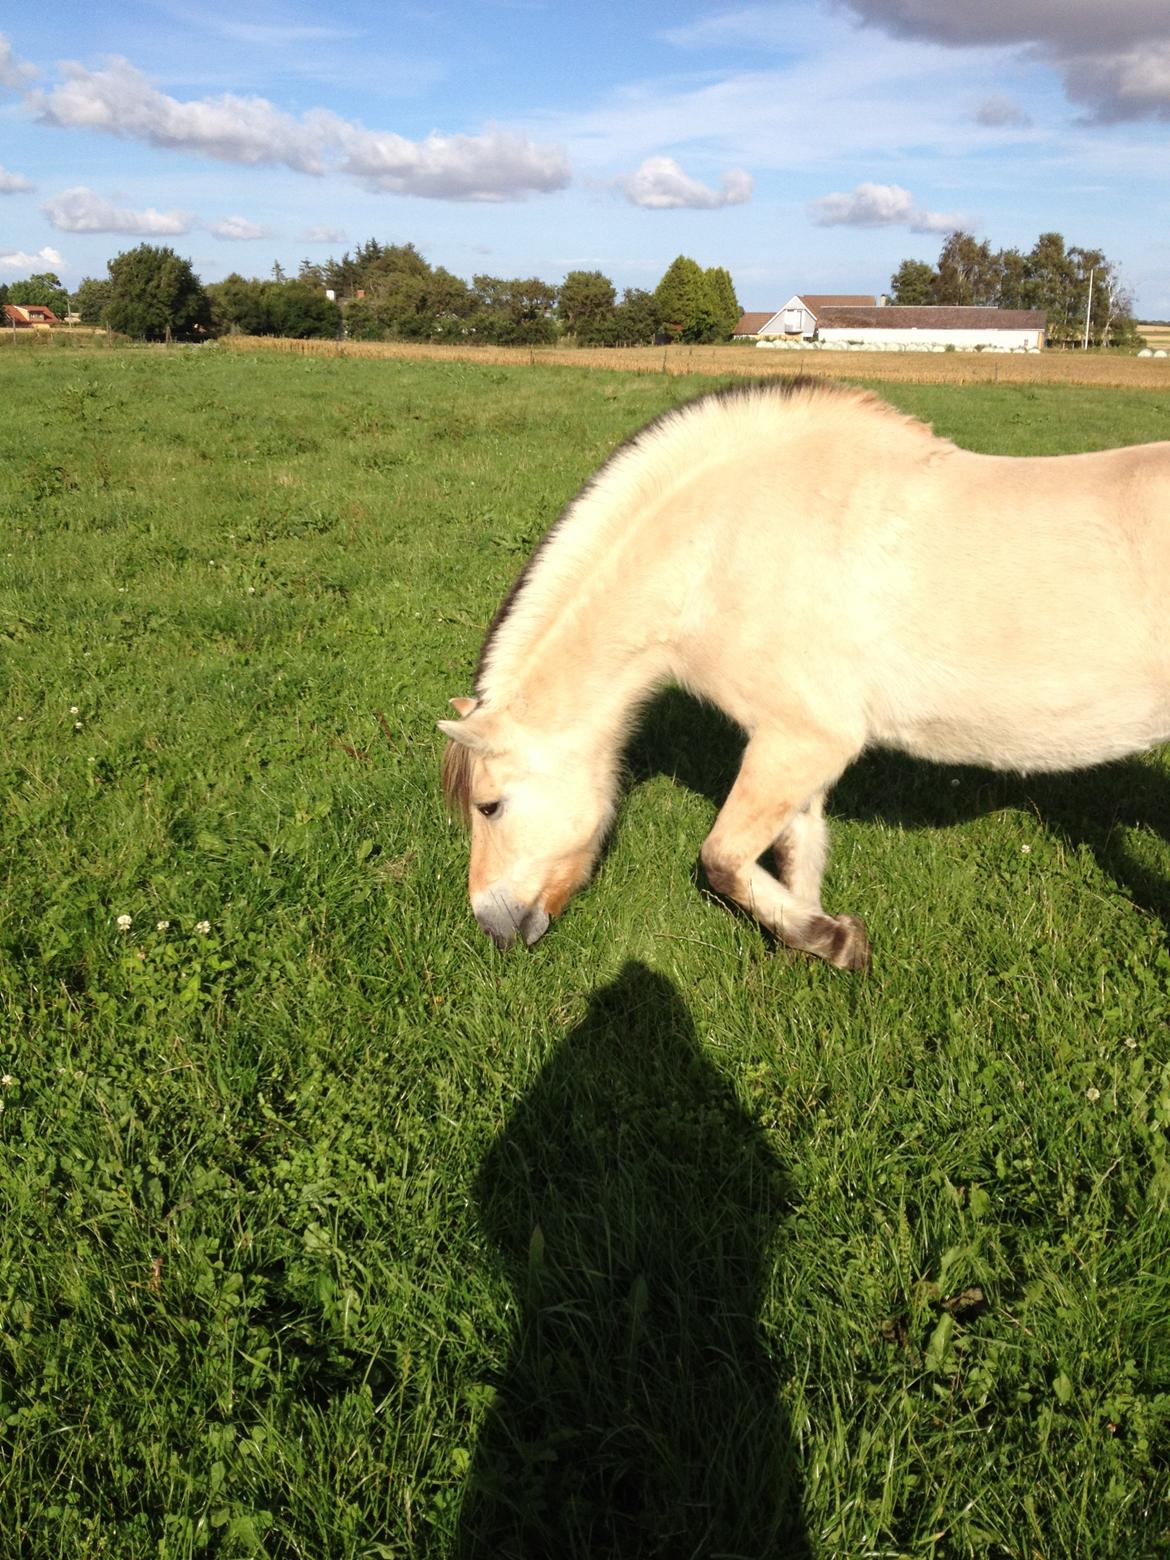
(833, 576)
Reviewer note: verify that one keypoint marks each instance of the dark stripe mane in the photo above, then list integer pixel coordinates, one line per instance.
(778, 389)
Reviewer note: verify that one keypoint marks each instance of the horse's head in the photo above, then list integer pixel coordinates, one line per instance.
(538, 807)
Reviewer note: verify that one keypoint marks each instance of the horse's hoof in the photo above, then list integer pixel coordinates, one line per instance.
(850, 950)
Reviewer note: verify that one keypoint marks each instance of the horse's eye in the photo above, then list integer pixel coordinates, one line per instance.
(488, 809)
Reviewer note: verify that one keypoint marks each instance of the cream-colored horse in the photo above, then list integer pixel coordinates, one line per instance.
(833, 577)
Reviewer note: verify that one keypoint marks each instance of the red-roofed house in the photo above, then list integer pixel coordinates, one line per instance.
(26, 315)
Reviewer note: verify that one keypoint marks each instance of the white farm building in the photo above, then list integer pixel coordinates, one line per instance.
(861, 324)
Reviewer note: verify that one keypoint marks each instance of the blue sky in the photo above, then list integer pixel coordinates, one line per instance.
(808, 145)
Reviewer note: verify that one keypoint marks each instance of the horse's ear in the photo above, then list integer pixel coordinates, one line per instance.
(466, 735)
(463, 706)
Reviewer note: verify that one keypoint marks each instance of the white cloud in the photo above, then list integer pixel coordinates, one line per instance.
(497, 165)
(1115, 60)
(323, 235)
(14, 74)
(81, 210)
(882, 205)
(20, 260)
(239, 228)
(14, 183)
(120, 100)
(659, 184)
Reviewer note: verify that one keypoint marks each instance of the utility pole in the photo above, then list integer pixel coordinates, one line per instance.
(1089, 307)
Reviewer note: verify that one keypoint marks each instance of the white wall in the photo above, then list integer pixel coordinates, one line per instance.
(876, 339)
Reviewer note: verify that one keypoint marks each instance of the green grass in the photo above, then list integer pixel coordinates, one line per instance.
(329, 1232)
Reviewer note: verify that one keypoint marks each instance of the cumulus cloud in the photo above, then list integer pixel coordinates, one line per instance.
(20, 260)
(239, 228)
(882, 205)
(1116, 62)
(121, 101)
(13, 183)
(14, 74)
(659, 184)
(323, 235)
(81, 210)
(999, 112)
(490, 167)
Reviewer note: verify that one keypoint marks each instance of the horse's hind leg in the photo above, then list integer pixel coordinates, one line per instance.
(782, 775)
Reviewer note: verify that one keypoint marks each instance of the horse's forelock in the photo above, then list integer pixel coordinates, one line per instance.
(457, 780)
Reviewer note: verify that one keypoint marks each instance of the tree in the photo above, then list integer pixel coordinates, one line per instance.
(637, 318)
(1051, 276)
(1050, 284)
(301, 312)
(585, 306)
(309, 271)
(967, 272)
(684, 301)
(1013, 279)
(91, 299)
(514, 312)
(259, 308)
(912, 284)
(42, 289)
(237, 305)
(721, 292)
(154, 295)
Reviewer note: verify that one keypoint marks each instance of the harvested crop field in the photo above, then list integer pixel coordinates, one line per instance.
(1102, 370)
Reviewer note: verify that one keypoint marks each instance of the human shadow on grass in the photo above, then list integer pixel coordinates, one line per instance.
(634, 1203)
(701, 749)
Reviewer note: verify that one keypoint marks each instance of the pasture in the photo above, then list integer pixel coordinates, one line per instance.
(331, 1232)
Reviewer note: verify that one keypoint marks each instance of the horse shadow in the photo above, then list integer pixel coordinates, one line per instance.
(634, 1204)
(701, 749)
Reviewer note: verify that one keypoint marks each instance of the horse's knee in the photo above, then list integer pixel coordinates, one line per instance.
(722, 872)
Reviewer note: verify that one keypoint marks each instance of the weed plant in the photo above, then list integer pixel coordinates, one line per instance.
(330, 1232)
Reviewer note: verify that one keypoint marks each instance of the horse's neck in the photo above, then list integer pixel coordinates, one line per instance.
(597, 658)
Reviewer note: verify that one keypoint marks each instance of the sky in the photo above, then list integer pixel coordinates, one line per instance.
(807, 145)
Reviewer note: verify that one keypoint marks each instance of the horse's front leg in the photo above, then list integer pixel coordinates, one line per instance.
(777, 799)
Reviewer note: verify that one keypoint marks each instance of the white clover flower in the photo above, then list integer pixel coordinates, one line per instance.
(1131, 1043)
(1092, 1094)
(77, 725)
(7, 1080)
(162, 926)
(75, 709)
(1027, 849)
(124, 923)
(203, 927)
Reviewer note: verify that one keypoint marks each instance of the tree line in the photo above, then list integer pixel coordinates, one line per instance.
(390, 292)
(1052, 276)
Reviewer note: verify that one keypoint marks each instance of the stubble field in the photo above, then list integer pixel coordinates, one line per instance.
(1123, 371)
(328, 1231)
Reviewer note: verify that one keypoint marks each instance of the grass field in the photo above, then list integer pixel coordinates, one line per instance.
(330, 1232)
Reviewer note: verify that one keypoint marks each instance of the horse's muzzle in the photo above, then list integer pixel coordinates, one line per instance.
(504, 918)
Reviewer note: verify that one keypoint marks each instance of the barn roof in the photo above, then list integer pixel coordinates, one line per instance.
(933, 317)
(750, 323)
(815, 302)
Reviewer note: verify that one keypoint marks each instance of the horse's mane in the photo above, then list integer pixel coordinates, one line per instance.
(783, 391)
(457, 781)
